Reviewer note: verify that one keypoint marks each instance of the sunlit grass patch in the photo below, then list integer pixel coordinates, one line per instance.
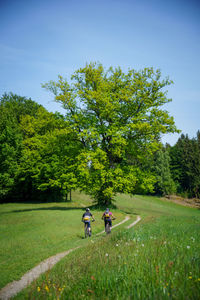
(30, 233)
(159, 260)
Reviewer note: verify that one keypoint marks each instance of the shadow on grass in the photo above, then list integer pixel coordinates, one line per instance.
(48, 208)
(91, 207)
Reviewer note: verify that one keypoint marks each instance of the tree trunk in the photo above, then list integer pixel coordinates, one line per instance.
(70, 194)
(103, 200)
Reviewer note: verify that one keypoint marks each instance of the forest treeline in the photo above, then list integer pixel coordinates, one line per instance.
(38, 157)
(108, 144)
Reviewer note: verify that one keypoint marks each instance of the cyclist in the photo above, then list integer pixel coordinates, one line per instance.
(108, 217)
(86, 219)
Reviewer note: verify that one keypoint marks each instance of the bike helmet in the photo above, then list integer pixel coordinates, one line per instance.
(87, 209)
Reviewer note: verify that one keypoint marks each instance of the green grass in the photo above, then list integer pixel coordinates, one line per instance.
(157, 259)
(31, 233)
(160, 261)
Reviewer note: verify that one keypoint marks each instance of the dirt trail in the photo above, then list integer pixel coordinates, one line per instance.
(15, 287)
(125, 220)
(136, 221)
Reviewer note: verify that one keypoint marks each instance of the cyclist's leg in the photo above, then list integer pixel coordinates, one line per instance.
(110, 222)
(85, 229)
(105, 222)
(107, 229)
(89, 228)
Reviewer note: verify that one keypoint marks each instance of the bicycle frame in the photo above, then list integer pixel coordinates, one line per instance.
(87, 230)
(108, 228)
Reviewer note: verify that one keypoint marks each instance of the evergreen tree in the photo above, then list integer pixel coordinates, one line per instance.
(164, 183)
(185, 165)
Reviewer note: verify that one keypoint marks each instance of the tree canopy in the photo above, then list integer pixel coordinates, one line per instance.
(37, 152)
(185, 165)
(118, 119)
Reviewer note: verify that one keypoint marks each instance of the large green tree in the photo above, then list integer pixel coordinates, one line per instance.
(48, 161)
(37, 152)
(118, 119)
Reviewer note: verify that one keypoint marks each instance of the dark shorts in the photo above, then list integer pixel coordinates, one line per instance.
(109, 221)
(88, 223)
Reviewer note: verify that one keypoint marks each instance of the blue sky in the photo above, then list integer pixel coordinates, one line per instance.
(42, 38)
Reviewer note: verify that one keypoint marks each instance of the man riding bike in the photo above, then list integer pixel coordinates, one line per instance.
(108, 217)
(86, 219)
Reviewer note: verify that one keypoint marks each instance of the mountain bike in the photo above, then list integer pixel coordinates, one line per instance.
(87, 230)
(108, 227)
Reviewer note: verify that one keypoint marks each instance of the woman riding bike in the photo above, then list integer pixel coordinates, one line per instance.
(108, 217)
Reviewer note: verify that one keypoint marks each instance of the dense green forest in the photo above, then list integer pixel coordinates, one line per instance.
(107, 142)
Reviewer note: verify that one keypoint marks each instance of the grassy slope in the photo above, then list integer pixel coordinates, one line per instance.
(156, 260)
(159, 259)
(31, 233)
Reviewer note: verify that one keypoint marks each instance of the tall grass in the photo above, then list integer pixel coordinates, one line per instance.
(158, 260)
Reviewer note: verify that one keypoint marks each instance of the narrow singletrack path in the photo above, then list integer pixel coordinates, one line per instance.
(11, 289)
(135, 222)
(125, 220)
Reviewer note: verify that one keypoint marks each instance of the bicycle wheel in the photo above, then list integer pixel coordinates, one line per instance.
(108, 229)
(88, 231)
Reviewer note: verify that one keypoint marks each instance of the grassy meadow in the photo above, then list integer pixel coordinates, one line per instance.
(156, 259)
(30, 233)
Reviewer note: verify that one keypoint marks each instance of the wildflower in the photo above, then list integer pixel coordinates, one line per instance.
(188, 247)
(38, 289)
(93, 278)
(198, 279)
(117, 245)
(190, 277)
(107, 254)
(47, 288)
(142, 245)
